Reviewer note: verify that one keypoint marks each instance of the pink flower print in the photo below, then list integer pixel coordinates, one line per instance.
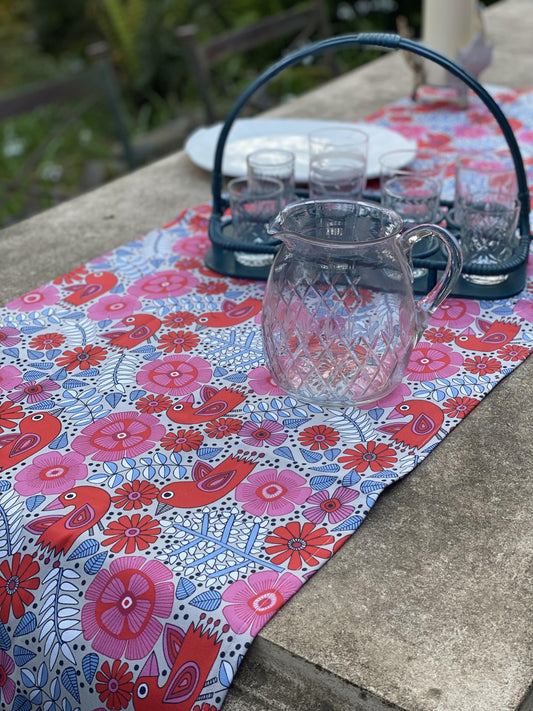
(433, 360)
(9, 337)
(118, 435)
(394, 398)
(194, 246)
(174, 375)
(189, 263)
(455, 313)
(260, 380)
(512, 352)
(478, 115)
(10, 377)
(114, 306)
(318, 437)
(7, 685)
(506, 96)
(272, 492)
(253, 602)
(35, 300)
(411, 130)
(440, 141)
(161, 285)
(199, 220)
(470, 131)
(51, 473)
(525, 135)
(524, 308)
(123, 605)
(268, 432)
(33, 391)
(334, 507)
(374, 455)
(395, 114)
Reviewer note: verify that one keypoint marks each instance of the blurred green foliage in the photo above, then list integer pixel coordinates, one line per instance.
(48, 155)
(148, 57)
(41, 39)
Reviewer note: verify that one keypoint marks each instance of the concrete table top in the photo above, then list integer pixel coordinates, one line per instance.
(429, 607)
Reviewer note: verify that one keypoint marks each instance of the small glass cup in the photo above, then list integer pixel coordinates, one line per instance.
(253, 206)
(421, 162)
(337, 162)
(417, 200)
(483, 173)
(488, 233)
(273, 163)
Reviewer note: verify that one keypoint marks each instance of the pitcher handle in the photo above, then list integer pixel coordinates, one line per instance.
(428, 303)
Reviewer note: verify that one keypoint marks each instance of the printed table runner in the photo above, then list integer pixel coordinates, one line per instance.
(160, 497)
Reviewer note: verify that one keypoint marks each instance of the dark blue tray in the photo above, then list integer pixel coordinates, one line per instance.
(229, 256)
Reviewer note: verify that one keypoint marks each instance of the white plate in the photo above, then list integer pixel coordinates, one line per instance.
(247, 135)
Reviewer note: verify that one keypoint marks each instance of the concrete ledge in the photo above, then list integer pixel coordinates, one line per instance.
(429, 606)
(273, 680)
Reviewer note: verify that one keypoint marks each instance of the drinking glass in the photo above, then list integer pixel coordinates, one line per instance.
(421, 162)
(483, 173)
(252, 206)
(337, 162)
(488, 232)
(417, 200)
(273, 163)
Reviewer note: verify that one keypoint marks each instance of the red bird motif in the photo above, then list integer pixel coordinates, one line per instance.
(231, 313)
(59, 533)
(190, 656)
(142, 326)
(35, 432)
(96, 284)
(495, 335)
(210, 484)
(426, 421)
(215, 404)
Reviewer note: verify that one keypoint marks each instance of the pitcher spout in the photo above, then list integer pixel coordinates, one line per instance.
(275, 225)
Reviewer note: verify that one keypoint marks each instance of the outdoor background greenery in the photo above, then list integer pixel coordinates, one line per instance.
(41, 40)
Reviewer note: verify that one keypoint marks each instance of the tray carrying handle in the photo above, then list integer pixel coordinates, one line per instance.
(389, 41)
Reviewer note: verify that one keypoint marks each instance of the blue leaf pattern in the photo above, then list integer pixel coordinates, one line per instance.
(22, 656)
(27, 624)
(89, 664)
(319, 483)
(209, 600)
(70, 682)
(93, 565)
(184, 588)
(86, 548)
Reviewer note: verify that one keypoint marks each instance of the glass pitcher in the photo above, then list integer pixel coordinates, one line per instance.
(339, 315)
